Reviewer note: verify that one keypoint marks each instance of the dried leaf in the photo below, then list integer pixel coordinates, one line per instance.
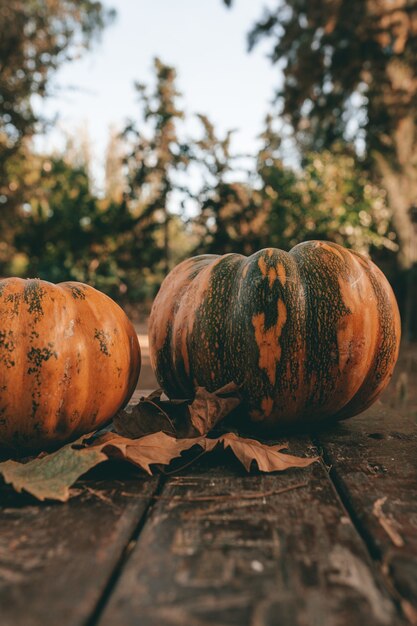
(161, 449)
(155, 394)
(387, 522)
(208, 409)
(269, 458)
(145, 417)
(181, 418)
(155, 449)
(50, 476)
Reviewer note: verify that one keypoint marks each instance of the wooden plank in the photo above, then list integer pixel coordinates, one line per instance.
(374, 465)
(225, 548)
(57, 559)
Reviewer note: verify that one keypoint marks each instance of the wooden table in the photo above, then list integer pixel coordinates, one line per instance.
(333, 544)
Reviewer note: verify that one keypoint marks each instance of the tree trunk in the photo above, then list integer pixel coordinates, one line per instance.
(167, 263)
(399, 177)
(402, 197)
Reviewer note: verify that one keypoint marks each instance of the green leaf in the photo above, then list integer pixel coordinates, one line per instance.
(51, 476)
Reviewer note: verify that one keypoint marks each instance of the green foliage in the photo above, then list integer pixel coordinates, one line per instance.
(156, 155)
(37, 36)
(119, 244)
(348, 67)
(232, 217)
(66, 233)
(126, 242)
(331, 198)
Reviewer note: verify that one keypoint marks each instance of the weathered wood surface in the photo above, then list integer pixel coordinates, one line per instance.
(213, 545)
(215, 550)
(56, 560)
(374, 466)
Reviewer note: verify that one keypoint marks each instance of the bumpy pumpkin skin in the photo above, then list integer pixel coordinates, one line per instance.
(308, 334)
(69, 359)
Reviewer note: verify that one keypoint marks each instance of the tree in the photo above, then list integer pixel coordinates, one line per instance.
(37, 37)
(155, 157)
(65, 232)
(350, 73)
(115, 177)
(232, 215)
(332, 197)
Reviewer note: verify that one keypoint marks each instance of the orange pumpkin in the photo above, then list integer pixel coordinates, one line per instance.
(308, 334)
(69, 359)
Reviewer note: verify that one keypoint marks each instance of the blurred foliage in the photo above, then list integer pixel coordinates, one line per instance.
(155, 155)
(125, 242)
(167, 195)
(65, 232)
(347, 73)
(37, 36)
(331, 197)
(231, 214)
(344, 64)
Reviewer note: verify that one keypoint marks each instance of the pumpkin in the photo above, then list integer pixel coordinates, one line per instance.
(308, 334)
(69, 359)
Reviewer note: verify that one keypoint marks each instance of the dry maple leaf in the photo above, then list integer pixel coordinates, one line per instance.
(50, 476)
(155, 449)
(147, 416)
(269, 458)
(180, 418)
(209, 408)
(161, 449)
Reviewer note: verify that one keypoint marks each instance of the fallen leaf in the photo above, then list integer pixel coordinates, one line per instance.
(269, 458)
(155, 394)
(387, 522)
(181, 418)
(161, 449)
(144, 418)
(50, 476)
(155, 449)
(209, 408)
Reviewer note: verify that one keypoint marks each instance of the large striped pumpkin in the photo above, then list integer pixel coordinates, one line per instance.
(308, 334)
(69, 359)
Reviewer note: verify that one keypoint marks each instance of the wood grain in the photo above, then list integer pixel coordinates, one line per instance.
(220, 547)
(374, 466)
(291, 556)
(57, 559)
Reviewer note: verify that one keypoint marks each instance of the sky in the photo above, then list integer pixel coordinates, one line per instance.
(202, 39)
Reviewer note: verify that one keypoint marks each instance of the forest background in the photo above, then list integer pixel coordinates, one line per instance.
(344, 107)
